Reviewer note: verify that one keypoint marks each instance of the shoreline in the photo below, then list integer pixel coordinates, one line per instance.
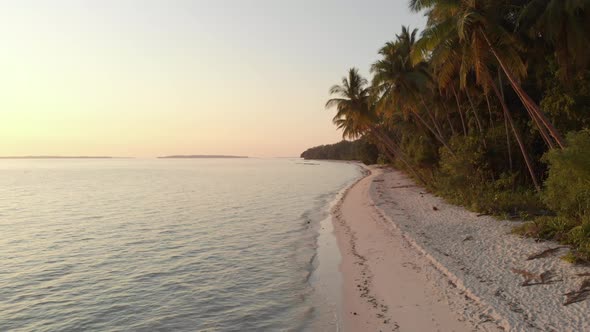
(383, 289)
(411, 262)
(326, 278)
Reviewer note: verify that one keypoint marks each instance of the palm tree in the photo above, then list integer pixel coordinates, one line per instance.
(480, 28)
(452, 58)
(564, 24)
(400, 84)
(356, 117)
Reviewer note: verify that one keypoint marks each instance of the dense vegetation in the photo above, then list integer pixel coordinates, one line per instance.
(489, 107)
(361, 150)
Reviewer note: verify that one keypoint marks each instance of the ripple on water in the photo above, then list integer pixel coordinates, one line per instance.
(160, 244)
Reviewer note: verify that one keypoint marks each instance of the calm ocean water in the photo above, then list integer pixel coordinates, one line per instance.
(182, 245)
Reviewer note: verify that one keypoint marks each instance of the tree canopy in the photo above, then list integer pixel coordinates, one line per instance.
(478, 104)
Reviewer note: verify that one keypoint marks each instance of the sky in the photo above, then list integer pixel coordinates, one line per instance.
(145, 78)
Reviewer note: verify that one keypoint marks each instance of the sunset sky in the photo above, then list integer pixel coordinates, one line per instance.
(147, 78)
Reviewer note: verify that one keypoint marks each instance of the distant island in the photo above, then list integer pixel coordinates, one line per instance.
(200, 157)
(56, 157)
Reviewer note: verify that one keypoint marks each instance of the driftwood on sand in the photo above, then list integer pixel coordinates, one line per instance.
(582, 294)
(531, 279)
(544, 253)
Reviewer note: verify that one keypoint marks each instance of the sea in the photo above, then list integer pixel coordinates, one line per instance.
(169, 244)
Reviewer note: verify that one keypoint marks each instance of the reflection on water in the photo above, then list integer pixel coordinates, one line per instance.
(161, 244)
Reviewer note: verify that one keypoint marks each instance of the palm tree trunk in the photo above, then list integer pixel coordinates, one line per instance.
(474, 112)
(391, 147)
(432, 117)
(489, 109)
(440, 139)
(459, 110)
(525, 155)
(483, 138)
(525, 98)
(453, 132)
(448, 116)
(542, 130)
(505, 120)
(508, 146)
(544, 135)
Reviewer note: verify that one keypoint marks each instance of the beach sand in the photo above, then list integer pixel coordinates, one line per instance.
(411, 262)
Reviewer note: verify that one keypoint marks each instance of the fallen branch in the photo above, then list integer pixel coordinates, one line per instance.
(404, 187)
(468, 238)
(583, 293)
(531, 279)
(543, 254)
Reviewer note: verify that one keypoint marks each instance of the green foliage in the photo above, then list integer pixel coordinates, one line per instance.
(461, 173)
(421, 151)
(466, 178)
(565, 230)
(579, 237)
(568, 185)
(567, 192)
(521, 203)
(457, 109)
(546, 228)
(360, 149)
(567, 105)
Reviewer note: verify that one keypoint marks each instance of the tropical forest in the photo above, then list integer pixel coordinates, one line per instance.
(488, 107)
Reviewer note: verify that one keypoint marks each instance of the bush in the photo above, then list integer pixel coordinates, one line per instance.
(567, 192)
(579, 238)
(522, 203)
(420, 151)
(564, 230)
(547, 228)
(465, 178)
(567, 189)
(462, 172)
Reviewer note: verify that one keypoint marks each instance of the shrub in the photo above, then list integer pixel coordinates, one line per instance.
(567, 192)
(567, 189)
(420, 151)
(462, 172)
(464, 177)
(579, 238)
(547, 228)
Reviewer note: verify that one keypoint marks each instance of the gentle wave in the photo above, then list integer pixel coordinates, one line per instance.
(162, 244)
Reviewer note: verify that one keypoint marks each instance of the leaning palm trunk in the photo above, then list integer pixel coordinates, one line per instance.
(453, 132)
(439, 138)
(517, 137)
(489, 109)
(459, 110)
(432, 117)
(508, 146)
(505, 122)
(537, 114)
(479, 126)
(394, 150)
(542, 129)
(448, 117)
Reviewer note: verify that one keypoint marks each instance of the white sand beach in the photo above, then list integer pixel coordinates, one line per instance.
(411, 262)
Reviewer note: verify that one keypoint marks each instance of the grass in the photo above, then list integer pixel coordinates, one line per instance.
(575, 233)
